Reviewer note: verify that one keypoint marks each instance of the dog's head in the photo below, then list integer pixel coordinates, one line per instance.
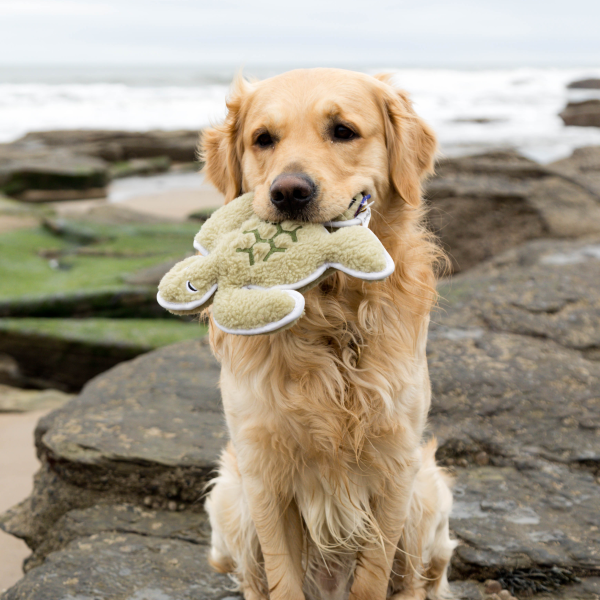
(306, 142)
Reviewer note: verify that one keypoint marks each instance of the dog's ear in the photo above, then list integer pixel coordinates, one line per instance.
(411, 144)
(221, 146)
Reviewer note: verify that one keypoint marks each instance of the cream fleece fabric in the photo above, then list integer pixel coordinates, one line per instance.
(251, 268)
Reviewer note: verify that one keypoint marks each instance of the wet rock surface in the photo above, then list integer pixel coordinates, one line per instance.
(485, 204)
(516, 410)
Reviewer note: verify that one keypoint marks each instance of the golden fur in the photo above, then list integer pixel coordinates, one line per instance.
(326, 490)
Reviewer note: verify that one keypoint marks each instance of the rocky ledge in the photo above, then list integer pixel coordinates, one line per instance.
(485, 204)
(48, 166)
(116, 511)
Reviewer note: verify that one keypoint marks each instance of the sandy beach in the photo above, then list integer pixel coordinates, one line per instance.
(167, 196)
(18, 464)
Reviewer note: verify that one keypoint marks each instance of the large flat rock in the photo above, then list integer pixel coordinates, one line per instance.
(79, 266)
(514, 356)
(123, 552)
(516, 409)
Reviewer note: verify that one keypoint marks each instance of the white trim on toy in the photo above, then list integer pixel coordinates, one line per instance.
(271, 327)
(198, 246)
(362, 218)
(186, 305)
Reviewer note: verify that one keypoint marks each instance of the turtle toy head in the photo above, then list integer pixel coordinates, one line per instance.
(253, 271)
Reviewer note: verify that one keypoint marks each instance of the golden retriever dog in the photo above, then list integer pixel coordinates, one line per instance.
(327, 490)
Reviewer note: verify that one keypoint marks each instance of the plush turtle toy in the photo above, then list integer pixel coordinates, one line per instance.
(253, 271)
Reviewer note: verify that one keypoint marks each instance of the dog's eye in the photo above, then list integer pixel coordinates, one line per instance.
(264, 140)
(341, 132)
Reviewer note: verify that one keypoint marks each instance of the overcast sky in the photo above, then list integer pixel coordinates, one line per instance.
(467, 33)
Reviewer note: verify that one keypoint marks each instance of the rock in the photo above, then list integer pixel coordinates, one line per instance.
(479, 120)
(482, 205)
(514, 356)
(466, 590)
(509, 519)
(152, 427)
(585, 84)
(17, 215)
(583, 167)
(545, 289)
(515, 409)
(517, 398)
(582, 114)
(9, 371)
(67, 353)
(113, 214)
(44, 175)
(118, 302)
(140, 166)
(121, 518)
(19, 400)
(124, 566)
(491, 586)
(115, 146)
(71, 231)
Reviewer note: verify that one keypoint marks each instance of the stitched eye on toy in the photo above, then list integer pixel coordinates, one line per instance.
(190, 287)
(342, 133)
(264, 140)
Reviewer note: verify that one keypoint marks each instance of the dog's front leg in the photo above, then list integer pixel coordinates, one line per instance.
(279, 531)
(374, 564)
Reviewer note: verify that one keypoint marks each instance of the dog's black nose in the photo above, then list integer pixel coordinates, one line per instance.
(292, 192)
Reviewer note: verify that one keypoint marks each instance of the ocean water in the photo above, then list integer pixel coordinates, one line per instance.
(471, 110)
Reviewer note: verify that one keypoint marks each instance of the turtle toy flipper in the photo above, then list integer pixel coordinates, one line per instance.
(254, 270)
(251, 312)
(189, 287)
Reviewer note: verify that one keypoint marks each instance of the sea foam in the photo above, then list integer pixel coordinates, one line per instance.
(471, 110)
